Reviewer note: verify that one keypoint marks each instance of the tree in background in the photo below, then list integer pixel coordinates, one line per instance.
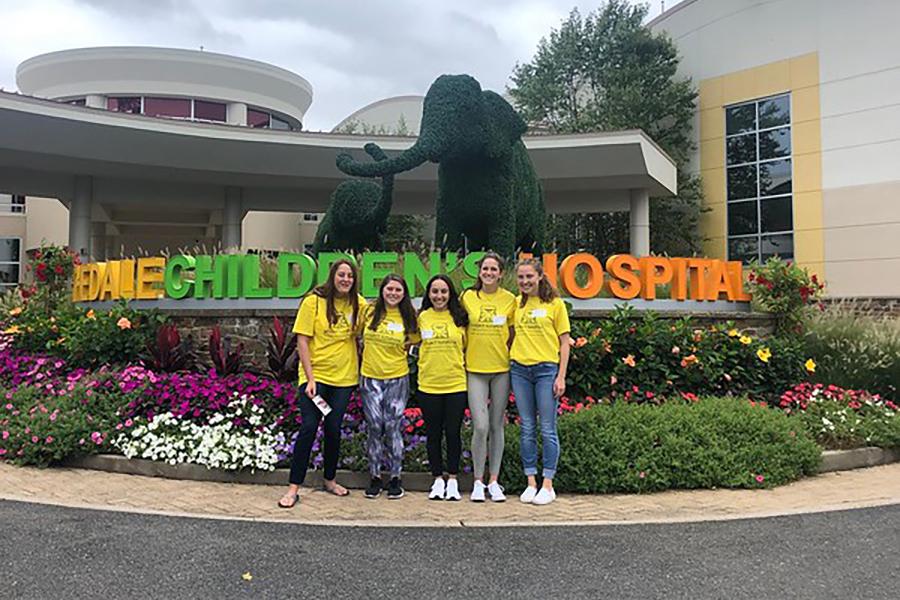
(607, 72)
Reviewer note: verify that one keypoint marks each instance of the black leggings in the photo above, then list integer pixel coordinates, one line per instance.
(443, 417)
(337, 398)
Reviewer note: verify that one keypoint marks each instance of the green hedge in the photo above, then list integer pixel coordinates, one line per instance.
(642, 448)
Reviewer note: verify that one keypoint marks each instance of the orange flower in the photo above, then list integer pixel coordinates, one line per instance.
(629, 360)
(15, 311)
(689, 360)
(580, 342)
(91, 315)
(124, 323)
(596, 332)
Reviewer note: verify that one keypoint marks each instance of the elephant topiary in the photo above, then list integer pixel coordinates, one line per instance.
(488, 193)
(357, 216)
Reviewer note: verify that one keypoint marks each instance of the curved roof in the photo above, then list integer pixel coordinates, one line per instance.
(130, 70)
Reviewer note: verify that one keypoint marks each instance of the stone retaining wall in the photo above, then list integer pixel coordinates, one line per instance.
(876, 307)
(250, 327)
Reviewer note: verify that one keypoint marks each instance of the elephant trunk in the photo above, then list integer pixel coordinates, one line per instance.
(408, 159)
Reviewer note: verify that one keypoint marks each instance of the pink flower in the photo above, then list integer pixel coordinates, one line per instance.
(641, 475)
(2, 451)
(8, 406)
(760, 479)
(34, 439)
(676, 350)
(97, 437)
(123, 323)
(49, 439)
(5, 435)
(128, 422)
(613, 380)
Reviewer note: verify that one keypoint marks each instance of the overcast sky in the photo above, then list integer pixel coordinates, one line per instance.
(353, 52)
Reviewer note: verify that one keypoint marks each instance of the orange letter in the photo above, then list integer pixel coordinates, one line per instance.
(595, 275)
(679, 279)
(736, 274)
(109, 283)
(697, 268)
(655, 270)
(550, 269)
(621, 268)
(150, 278)
(717, 281)
(126, 278)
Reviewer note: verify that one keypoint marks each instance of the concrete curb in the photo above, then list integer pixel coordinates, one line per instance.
(845, 460)
(113, 463)
(832, 460)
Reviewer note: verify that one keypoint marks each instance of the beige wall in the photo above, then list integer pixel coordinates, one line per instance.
(262, 230)
(46, 219)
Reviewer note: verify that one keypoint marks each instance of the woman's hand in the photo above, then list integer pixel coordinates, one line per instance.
(559, 386)
(310, 389)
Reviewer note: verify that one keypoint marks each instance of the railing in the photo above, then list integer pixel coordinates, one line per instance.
(12, 204)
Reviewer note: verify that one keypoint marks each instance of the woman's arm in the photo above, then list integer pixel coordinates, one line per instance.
(306, 364)
(559, 386)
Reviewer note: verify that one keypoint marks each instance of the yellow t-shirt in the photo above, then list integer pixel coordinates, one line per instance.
(384, 350)
(332, 348)
(442, 369)
(538, 327)
(490, 317)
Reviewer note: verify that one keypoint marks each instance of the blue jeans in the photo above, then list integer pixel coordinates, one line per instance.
(533, 388)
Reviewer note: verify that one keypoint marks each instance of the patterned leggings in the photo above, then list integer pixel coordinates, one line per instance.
(383, 403)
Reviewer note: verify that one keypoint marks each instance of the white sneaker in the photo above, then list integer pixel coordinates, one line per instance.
(437, 489)
(452, 490)
(544, 496)
(496, 492)
(528, 495)
(478, 492)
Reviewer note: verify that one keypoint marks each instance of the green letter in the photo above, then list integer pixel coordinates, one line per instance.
(209, 273)
(177, 286)
(286, 261)
(470, 267)
(414, 271)
(372, 274)
(252, 288)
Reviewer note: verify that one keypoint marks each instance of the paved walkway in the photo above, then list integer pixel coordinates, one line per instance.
(875, 486)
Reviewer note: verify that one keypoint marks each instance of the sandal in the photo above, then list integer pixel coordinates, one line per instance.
(293, 501)
(337, 492)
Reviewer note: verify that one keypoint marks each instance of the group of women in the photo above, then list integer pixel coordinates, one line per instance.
(471, 347)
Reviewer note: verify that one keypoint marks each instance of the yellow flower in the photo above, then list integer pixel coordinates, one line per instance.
(15, 311)
(11, 330)
(629, 360)
(811, 366)
(91, 315)
(247, 576)
(124, 323)
(746, 339)
(764, 354)
(733, 333)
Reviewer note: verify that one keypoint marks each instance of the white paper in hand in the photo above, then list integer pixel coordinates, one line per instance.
(320, 403)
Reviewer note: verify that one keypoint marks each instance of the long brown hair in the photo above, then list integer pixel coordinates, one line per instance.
(457, 312)
(329, 292)
(546, 291)
(501, 262)
(407, 312)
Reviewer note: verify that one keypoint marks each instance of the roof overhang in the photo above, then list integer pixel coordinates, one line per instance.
(136, 159)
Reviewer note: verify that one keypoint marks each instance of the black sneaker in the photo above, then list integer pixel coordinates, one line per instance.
(395, 490)
(374, 488)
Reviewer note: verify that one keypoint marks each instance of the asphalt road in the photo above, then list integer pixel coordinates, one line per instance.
(51, 552)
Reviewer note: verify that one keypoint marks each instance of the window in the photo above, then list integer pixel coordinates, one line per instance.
(9, 262)
(77, 102)
(179, 108)
(209, 111)
(310, 217)
(759, 179)
(257, 118)
(12, 204)
(129, 104)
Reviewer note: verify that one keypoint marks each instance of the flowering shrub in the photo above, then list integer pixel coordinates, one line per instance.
(44, 423)
(52, 267)
(840, 418)
(234, 438)
(651, 359)
(785, 290)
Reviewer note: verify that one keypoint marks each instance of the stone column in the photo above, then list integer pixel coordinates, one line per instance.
(639, 216)
(80, 217)
(231, 220)
(236, 113)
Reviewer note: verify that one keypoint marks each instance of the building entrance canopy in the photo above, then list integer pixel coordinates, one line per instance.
(122, 169)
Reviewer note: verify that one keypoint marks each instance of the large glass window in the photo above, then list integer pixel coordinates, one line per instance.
(209, 111)
(129, 104)
(759, 179)
(179, 108)
(257, 118)
(10, 261)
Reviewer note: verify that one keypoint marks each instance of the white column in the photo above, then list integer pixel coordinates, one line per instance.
(95, 101)
(236, 113)
(80, 217)
(639, 217)
(231, 220)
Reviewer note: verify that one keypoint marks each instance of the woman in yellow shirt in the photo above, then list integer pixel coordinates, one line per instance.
(442, 381)
(389, 327)
(329, 369)
(491, 310)
(540, 356)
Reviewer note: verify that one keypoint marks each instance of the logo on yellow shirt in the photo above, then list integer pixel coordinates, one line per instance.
(487, 314)
(441, 331)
